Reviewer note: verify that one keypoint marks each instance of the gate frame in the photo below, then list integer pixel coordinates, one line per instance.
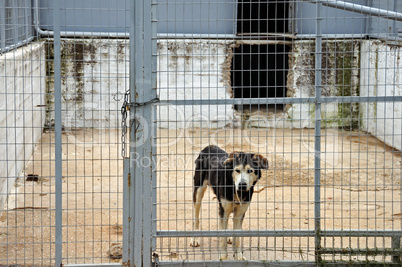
(144, 34)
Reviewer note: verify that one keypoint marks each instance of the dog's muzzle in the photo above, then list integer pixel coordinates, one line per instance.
(242, 187)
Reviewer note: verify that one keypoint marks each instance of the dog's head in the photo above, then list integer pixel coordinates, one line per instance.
(246, 169)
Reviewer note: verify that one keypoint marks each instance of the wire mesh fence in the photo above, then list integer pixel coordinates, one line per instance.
(93, 76)
(16, 24)
(309, 90)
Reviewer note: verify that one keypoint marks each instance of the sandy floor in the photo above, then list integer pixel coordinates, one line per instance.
(361, 180)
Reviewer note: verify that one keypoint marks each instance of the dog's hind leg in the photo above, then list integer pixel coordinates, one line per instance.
(199, 192)
(238, 216)
(225, 208)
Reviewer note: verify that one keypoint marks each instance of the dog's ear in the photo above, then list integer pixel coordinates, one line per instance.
(229, 161)
(233, 154)
(261, 161)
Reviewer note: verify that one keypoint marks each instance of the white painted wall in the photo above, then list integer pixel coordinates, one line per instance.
(200, 69)
(381, 74)
(340, 59)
(91, 87)
(187, 70)
(22, 92)
(194, 70)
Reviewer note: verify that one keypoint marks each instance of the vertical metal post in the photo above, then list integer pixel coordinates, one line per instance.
(27, 18)
(154, 32)
(396, 244)
(141, 130)
(394, 25)
(126, 211)
(317, 146)
(14, 20)
(3, 24)
(58, 141)
(136, 220)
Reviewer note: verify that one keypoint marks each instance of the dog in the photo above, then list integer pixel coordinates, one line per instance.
(232, 178)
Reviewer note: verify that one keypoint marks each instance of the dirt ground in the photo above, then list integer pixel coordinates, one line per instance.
(360, 177)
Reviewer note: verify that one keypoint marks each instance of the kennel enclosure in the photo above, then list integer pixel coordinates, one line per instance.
(312, 85)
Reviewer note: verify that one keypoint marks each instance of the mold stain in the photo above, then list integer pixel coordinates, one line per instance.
(348, 113)
(227, 68)
(73, 54)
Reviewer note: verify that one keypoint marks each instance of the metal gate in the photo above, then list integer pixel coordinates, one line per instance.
(320, 202)
(112, 104)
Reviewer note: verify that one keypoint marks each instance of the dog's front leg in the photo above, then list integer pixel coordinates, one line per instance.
(197, 198)
(238, 217)
(223, 223)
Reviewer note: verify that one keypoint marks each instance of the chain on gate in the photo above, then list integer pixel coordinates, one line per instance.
(124, 108)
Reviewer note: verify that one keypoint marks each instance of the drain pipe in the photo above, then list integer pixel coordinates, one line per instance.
(387, 14)
(122, 35)
(372, 11)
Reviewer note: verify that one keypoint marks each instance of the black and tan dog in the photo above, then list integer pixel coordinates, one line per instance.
(232, 178)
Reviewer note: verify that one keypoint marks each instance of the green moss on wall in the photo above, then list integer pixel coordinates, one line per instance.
(49, 97)
(348, 113)
(72, 62)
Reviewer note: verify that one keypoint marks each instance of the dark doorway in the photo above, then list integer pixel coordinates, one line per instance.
(262, 16)
(260, 71)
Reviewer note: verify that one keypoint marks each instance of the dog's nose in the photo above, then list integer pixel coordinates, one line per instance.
(242, 186)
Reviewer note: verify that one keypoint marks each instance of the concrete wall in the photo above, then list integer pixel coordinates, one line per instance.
(95, 76)
(380, 76)
(340, 77)
(94, 79)
(22, 110)
(194, 70)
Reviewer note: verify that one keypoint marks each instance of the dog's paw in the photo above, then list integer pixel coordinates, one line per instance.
(229, 241)
(239, 257)
(195, 242)
(223, 257)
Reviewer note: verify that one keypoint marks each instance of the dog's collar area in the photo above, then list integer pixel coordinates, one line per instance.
(242, 195)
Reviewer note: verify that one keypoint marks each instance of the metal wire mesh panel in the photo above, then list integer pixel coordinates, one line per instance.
(93, 77)
(332, 190)
(16, 27)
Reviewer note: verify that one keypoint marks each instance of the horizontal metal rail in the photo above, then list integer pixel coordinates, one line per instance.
(360, 251)
(361, 9)
(268, 263)
(121, 35)
(280, 233)
(90, 265)
(283, 100)
(233, 263)
(330, 3)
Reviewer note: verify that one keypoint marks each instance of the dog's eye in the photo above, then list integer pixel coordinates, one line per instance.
(249, 171)
(237, 170)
